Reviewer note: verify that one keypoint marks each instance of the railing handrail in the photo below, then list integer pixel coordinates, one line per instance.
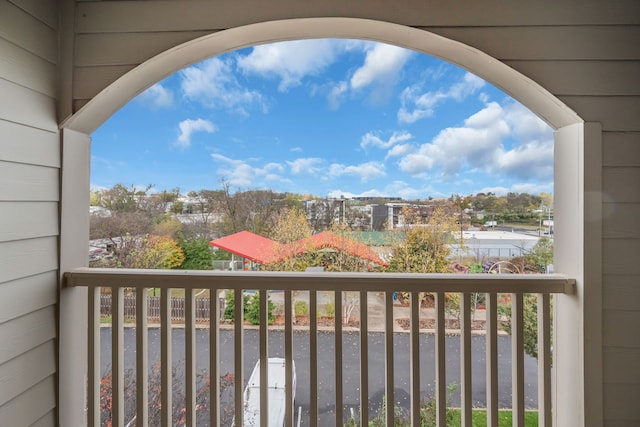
(327, 281)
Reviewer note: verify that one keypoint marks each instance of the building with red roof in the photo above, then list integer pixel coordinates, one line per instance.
(265, 251)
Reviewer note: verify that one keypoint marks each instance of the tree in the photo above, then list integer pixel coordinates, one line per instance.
(197, 254)
(529, 322)
(291, 230)
(157, 252)
(425, 249)
(541, 256)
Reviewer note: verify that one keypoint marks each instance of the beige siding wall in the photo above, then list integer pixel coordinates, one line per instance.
(29, 194)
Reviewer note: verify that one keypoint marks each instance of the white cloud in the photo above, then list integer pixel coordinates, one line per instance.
(365, 171)
(382, 65)
(213, 84)
(482, 145)
(240, 173)
(157, 96)
(189, 126)
(498, 191)
(417, 105)
(400, 150)
(370, 139)
(304, 166)
(290, 61)
(336, 94)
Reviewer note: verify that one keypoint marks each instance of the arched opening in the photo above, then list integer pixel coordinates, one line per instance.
(569, 126)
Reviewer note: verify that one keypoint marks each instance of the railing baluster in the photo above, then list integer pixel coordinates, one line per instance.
(364, 358)
(465, 358)
(238, 341)
(117, 356)
(415, 359)
(544, 360)
(288, 354)
(190, 357)
(94, 375)
(491, 310)
(264, 358)
(122, 308)
(517, 359)
(214, 358)
(441, 384)
(166, 366)
(338, 356)
(388, 351)
(142, 359)
(313, 357)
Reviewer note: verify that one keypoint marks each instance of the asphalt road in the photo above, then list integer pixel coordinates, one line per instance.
(351, 370)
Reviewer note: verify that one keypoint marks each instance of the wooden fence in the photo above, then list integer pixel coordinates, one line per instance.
(202, 308)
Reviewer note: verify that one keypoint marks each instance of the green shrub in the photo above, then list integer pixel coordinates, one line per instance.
(252, 310)
(229, 309)
(301, 308)
(329, 309)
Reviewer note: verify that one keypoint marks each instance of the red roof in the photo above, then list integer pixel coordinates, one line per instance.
(267, 251)
(248, 245)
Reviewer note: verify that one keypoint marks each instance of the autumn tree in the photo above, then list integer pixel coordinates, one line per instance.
(425, 248)
(252, 210)
(290, 232)
(157, 252)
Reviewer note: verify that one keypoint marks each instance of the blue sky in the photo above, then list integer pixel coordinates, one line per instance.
(328, 118)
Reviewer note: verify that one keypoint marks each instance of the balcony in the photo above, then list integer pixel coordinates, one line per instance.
(360, 286)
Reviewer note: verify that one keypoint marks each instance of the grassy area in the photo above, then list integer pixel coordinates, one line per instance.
(504, 418)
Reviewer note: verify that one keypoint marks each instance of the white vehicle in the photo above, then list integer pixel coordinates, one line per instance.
(277, 394)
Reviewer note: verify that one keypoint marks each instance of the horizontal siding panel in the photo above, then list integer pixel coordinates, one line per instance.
(583, 77)
(22, 373)
(43, 10)
(26, 31)
(49, 420)
(24, 68)
(620, 257)
(27, 332)
(617, 327)
(549, 43)
(121, 16)
(621, 221)
(21, 182)
(621, 402)
(621, 148)
(615, 113)
(31, 405)
(28, 107)
(621, 423)
(621, 293)
(89, 81)
(621, 185)
(27, 295)
(126, 49)
(24, 144)
(24, 220)
(24, 258)
(621, 366)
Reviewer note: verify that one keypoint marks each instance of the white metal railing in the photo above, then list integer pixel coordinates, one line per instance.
(140, 281)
